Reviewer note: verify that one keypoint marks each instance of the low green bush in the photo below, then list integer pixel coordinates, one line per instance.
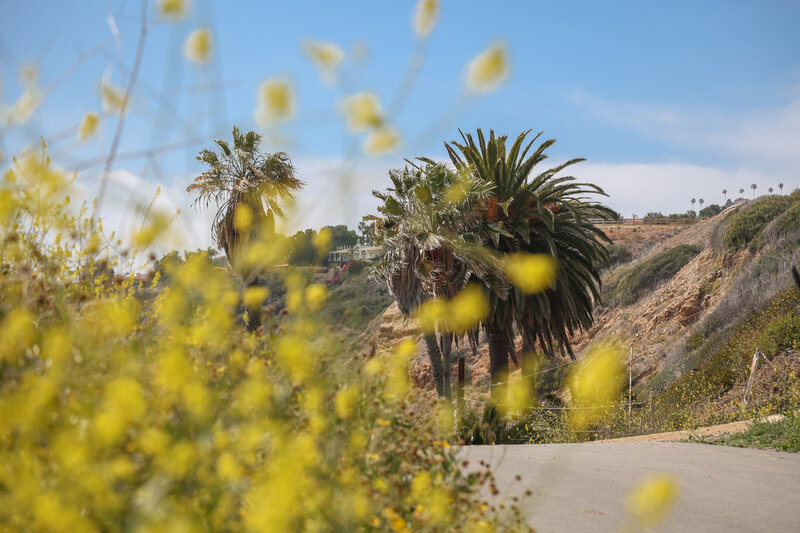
(647, 275)
(745, 224)
(789, 221)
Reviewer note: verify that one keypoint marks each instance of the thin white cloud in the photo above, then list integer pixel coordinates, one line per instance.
(757, 138)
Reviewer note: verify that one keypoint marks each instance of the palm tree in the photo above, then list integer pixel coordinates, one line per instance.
(546, 214)
(780, 186)
(769, 190)
(741, 192)
(753, 186)
(701, 204)
(239, 179)
(430, 245)
(693, 202)
(724, 196)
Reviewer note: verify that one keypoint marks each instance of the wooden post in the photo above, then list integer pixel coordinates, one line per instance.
(753, 368)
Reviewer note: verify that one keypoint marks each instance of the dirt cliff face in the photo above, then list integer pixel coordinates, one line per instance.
(651, 326)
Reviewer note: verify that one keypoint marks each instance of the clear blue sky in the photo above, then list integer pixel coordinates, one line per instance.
(666, 100)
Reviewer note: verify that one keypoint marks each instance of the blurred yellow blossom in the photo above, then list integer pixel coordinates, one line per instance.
(197, 47)
(243, 217)
(173, 9)
(322, 241)
(519, 396)
(652, 499)
(345, 401)
(275, 102)
(488, 70)
(324, 55)
(316, 296)
(18, 333)
(88, 126)
(595, 384)
(362, 111)
(425, 17)
(381, 140)
(255, 296)
(114, 98)
(458, 315)
(531, 272)
(23, 109)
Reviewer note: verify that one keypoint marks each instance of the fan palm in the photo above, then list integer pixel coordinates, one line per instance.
(724, 196)
(539, 214)
(427, 228)
(247, 188)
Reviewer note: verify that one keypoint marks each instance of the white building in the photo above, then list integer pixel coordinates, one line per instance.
(359, 252)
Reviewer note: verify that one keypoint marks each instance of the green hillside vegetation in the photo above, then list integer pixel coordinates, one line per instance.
(633, 283)
(744, 225)
(783, 435)
(357, 301)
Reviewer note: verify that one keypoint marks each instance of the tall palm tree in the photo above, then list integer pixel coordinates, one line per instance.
(780, 186)
(693, 202)
(753, 186)
(239, 177)
(701, 201)
(545, 214)
(769, 190)
(431, 245)
(741, 191)
(724, 196)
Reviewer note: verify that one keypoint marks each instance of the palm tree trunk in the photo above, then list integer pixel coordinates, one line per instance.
(498, 363)
(529, 366)
(447, 346)
(435, 356)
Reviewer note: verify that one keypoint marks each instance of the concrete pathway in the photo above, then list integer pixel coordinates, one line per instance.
(583, 487)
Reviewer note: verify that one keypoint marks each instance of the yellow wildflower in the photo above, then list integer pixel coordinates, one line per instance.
(324, 55)
(651, 501)
(595, 384)
(275, 102)
(425, 17)
(487, 71)
(362, 111)
(197, 47)
(88, 126)
(381, 140)
(316, 295)
(173, 9)
(531, 272)
(255, 296)
(114, 98)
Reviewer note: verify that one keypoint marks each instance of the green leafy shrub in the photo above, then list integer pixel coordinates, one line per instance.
(710, 211)
(647, 275)
(745, 224)
(789, 221)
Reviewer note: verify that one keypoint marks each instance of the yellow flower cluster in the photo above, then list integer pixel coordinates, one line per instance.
(197, 46)
(488, 70)
(457, 315)
(146, 403)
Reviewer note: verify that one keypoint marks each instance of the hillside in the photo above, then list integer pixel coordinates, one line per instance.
(686, 290)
